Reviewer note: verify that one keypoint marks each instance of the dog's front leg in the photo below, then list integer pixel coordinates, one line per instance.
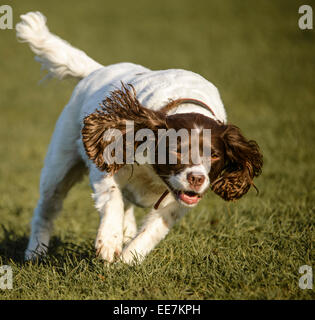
(154, 229)
(109, 202)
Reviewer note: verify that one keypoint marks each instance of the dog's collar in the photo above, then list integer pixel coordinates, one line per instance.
(175, 103)
(156, 206)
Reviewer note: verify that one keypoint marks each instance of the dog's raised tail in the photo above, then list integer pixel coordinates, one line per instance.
(55, 55)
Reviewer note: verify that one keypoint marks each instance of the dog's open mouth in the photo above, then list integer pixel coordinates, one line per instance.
(188, 197)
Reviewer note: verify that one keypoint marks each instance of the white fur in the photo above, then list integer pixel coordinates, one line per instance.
(56, 55)
(66, 160)
(155, 228)
(179, 181)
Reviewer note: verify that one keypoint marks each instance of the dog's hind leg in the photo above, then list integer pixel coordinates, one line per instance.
(54, 187)
(63, 168)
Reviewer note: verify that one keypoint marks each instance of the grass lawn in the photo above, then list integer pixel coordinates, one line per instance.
(263, 65)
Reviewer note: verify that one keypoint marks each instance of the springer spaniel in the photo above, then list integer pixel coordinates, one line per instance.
(107, 98)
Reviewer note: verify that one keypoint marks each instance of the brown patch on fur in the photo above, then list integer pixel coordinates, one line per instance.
(120, 106)
(243, 162)
(188, 121)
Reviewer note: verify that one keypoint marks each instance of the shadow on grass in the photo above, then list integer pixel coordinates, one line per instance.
(13, 245)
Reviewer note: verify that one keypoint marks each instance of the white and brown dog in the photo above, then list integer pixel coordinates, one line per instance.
(168, 99)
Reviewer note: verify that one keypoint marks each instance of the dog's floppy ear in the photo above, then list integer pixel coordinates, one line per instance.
(121, 106)
(243, 162)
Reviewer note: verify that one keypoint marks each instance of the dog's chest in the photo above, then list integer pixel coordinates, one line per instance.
(142, 187)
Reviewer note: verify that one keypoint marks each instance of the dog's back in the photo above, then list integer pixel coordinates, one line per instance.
(154, 88)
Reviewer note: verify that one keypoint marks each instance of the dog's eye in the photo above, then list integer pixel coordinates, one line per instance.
(214, 156)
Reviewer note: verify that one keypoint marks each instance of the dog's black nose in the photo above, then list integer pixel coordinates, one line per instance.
(195, 180)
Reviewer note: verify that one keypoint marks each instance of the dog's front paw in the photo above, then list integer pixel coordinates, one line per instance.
(109, 248)
(37, 247)
(32, 255)
(131, 255)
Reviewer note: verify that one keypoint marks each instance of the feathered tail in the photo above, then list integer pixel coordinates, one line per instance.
(55, 55)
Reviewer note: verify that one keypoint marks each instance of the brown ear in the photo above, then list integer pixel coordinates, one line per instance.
(243, 162)
(120, 106)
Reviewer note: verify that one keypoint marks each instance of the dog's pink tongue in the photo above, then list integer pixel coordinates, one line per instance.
(188, 199)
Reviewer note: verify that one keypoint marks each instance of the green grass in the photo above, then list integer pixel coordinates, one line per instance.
(263, 65)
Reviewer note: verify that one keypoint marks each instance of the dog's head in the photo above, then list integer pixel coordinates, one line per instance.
(224, 160)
